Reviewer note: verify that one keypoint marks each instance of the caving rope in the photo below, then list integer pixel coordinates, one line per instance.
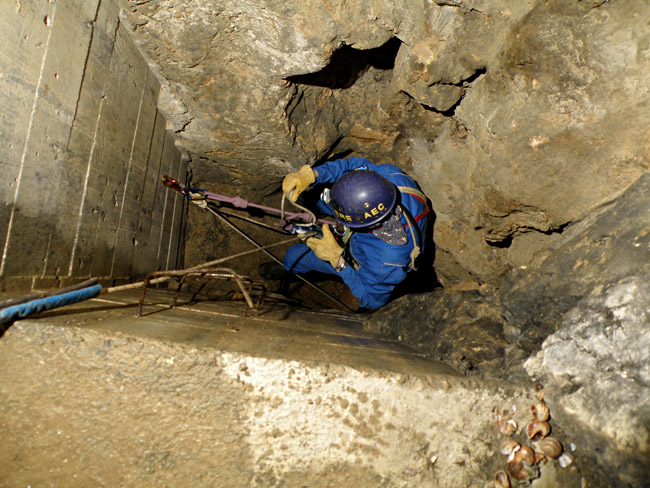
(289, 224)
(289, 221)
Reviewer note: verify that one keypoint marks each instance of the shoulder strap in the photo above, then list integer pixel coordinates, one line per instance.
(413, 191)
(418, 195)
(417, 250)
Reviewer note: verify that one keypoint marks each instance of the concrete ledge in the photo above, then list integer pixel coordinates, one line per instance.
(91, 405)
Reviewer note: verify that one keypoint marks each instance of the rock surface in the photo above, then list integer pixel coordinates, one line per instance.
(462, 328)
(516, 118)
(596, 370)
(576, 318)
(611, 244)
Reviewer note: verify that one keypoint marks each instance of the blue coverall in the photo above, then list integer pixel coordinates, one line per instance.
(382, 265)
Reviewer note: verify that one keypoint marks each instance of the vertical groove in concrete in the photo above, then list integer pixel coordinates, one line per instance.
(143, 258)
(137, 239)
(150, 259)
(84, 193)
(106, 18)
(47, 254)
(164, 215)
(176, 219)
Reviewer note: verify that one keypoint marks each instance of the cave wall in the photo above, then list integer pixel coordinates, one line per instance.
(574, 320)
(83, 148)
(518, 119)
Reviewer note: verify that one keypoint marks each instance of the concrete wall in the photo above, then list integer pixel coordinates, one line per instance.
(83, 148)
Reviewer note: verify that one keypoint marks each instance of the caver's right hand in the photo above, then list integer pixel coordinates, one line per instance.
(326, 247)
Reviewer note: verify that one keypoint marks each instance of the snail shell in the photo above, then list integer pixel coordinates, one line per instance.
(551, 447)
(540, 411)
(540, 458)
(501, 480)
(524, 455)
(509, 447)
(523, 470)
(518, 471)
(538, 430)
(505, 424)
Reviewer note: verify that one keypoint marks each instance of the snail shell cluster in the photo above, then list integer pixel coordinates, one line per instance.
(524, 461)
(523, 471)
(509, 447)
(524, 455)
(522, 466)
(550, 447)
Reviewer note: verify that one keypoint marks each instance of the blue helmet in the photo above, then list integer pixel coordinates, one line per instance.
(362, 198)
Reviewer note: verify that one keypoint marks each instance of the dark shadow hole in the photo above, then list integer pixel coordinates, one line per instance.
(503, 244)
(348, 64)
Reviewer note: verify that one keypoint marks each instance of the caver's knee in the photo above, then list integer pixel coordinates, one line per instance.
(293, 257)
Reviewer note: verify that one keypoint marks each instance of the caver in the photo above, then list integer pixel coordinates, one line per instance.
(383, 215)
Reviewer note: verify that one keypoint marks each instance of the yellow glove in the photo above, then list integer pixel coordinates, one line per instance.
(326, 248)
(295, 183)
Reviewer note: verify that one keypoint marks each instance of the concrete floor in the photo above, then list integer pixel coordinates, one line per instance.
(202, 395)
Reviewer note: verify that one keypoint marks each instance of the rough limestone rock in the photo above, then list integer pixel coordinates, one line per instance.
(552, 130)
(612, 244)
(517, 118)
(590, 296)
(596, 371)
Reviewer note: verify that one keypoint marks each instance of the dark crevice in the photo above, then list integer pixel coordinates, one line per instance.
(347, 64)
(507, 241)
(184, 126)
(334, 154)
(465, 83)
(503, 244)
(450, 112)
(472, 78)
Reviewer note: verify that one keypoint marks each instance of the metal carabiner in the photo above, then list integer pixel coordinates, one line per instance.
(170, 182)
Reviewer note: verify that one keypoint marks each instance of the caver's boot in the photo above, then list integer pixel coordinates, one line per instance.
(273, 271)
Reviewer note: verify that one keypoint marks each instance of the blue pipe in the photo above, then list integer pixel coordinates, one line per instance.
(21, 311)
